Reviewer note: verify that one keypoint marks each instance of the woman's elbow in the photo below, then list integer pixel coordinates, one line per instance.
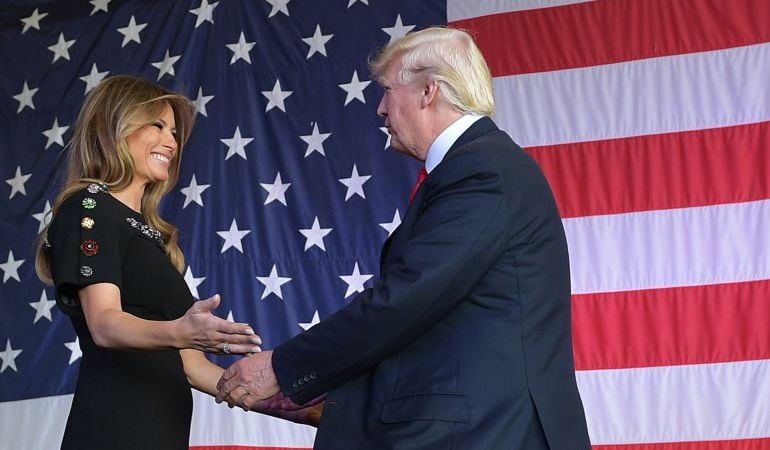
(101, 335)
(102, 339)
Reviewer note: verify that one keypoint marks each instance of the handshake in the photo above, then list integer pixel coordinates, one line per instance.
(252, 385)
(251, 382)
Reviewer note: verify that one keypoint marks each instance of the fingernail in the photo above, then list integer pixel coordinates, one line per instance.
(249, 331)
(256, 349)
(257, 340)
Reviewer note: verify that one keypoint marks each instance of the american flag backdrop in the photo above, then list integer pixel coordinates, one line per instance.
(650, 118)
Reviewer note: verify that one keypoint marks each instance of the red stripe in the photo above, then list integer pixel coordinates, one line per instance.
(605, 32)
(738, 444)
(663, 327)
(675, 170)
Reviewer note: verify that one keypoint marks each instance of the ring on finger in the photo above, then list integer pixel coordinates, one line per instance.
(226, 348)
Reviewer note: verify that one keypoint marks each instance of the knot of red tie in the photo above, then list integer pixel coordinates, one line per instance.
(420, 178)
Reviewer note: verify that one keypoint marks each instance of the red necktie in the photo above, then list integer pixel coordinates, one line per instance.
(420, 178)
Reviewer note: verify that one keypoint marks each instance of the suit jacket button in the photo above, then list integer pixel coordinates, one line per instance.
(294, 385)
(312, 375)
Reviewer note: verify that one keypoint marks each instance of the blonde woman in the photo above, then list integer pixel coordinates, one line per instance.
(116, 268)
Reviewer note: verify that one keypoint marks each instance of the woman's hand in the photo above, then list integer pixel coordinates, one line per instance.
(202, 330)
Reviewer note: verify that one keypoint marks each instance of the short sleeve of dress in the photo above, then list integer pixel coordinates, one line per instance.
(87, 243)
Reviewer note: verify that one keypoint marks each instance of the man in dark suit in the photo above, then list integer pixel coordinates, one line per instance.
(464, 342)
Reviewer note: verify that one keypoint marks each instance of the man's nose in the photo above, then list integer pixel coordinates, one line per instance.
(381, 110)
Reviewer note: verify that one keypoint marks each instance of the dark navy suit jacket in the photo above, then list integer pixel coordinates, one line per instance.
(464, 342)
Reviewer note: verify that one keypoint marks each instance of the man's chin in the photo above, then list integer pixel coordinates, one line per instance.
(396, 146)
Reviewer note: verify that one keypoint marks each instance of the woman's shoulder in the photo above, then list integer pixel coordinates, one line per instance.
(92, 190)
(90, 201)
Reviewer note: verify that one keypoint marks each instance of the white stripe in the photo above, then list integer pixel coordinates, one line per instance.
(34, 424)
(39, 424)
(668, 248)
(677, 403)
(650, 96)
(659, 404)
(465, 9)
(214, 424)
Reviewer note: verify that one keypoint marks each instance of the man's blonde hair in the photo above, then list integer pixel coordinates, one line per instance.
(448, 56)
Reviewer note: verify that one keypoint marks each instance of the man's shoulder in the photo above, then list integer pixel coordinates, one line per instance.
(494, 145)
(495, 152)
(484, 135)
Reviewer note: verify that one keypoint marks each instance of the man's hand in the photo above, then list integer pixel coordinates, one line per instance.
(202, 330)
(249, 380)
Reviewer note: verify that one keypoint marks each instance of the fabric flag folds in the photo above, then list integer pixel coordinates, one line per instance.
(650, 120)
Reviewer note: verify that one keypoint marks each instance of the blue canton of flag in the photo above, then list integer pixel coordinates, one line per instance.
(288, 186)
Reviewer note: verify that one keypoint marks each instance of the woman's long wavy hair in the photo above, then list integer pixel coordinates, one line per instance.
(99, 152)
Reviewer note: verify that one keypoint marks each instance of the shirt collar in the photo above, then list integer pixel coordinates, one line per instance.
(439, 148)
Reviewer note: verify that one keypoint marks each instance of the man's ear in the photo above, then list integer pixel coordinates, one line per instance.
(429, 93)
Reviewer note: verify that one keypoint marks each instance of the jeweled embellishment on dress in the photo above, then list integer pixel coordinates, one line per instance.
(86, 271)
(87, 223)
(89, 247)
(146, 230)
(98, 187)
(89, 203)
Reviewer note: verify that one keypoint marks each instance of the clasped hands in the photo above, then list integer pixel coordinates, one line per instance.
(252, 385)
(248, 381)
(251, 382)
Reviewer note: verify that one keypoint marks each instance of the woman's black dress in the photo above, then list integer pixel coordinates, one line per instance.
(123, 399)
